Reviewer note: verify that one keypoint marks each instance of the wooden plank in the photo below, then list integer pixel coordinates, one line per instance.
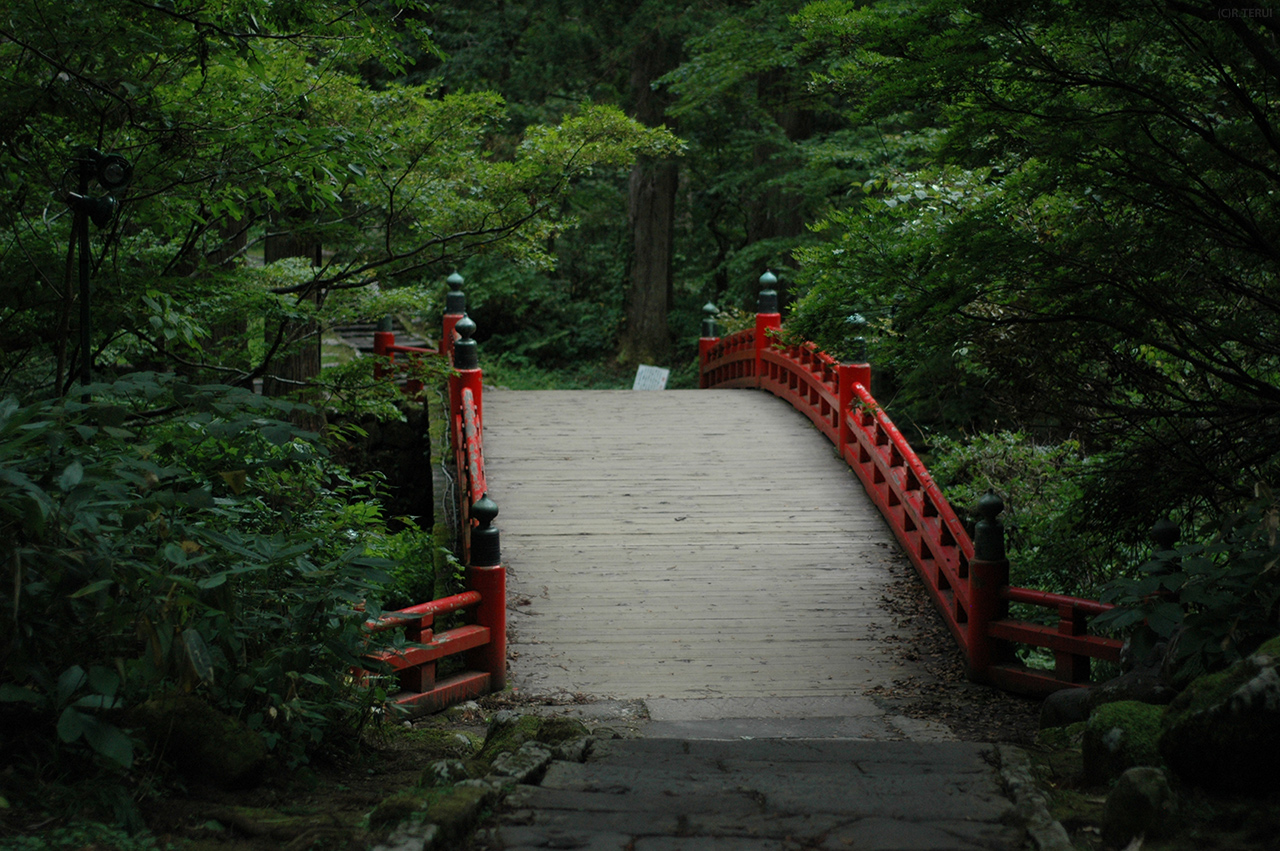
(768, 584)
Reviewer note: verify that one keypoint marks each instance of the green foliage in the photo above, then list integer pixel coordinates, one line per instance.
(164, 536)
(1217, 597)
(244, 126)
(1086, 247)
(421, 566)
(1043, 497)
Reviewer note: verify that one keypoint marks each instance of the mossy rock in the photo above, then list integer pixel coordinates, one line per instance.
(1057, 738)
(1223, 731)
(442, 743)
(507, 732)
(454, 810)
(1270, 649)
(1120, 736)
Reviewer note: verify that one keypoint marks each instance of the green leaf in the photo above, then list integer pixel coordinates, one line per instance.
(198, 654)
(71, 724)
(71, 680)
(71, 476)
(108, 741)
(93, 588)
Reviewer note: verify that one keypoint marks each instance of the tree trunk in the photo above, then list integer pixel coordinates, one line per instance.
(652, 217)
(651, 213)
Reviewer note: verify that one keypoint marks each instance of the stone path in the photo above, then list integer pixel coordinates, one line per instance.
(785, 794)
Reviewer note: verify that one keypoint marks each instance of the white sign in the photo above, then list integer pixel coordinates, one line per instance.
(650, 378)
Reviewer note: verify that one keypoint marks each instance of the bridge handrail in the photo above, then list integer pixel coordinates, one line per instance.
(969, 586)
(483, 640)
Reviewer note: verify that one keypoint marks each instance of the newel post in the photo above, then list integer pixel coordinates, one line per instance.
(466, 368)
(848, 374)
(710, 336)
(988, 576)
(486, 575)
(767, 319)
(455, 307)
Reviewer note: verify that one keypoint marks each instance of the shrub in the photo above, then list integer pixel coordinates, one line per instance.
(1217, 595)
(167, 537)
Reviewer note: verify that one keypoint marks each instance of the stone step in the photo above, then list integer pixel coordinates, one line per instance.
(663, 794)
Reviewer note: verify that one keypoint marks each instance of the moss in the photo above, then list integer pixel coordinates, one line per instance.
(557, 731)
(507, 734)
(442, 743)
(1061, 737)
(455, 810)
(1119, 736)
(1269, 648)
(1210, 690)
(400, 807)
(1224, 736)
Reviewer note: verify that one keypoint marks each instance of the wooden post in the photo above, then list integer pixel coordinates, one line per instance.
(710, 336)
(988, 576)
(466, 368)
(455, 307)
(847, 375)
(767, 319)
(486, 575)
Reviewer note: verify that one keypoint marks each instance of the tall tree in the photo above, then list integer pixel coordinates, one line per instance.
(651, 208)
(234, 111)
(1097, 243)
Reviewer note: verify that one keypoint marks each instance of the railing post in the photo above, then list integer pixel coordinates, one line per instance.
(486, 575)
(849, 374)
(767, 319)
(710, 336)
(383, 339)
(988, 576)
(455, 307)
(466, 368)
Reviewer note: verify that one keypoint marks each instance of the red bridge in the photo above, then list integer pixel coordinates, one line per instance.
(702, 544)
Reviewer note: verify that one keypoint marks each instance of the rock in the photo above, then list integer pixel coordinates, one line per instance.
(1142, 802)
(1119, 736)
(444, 772)
(1063, 707)
(1223, 731)
(509, 731)
(200, 742)
(1142, 686)
(1060, 738)
(527, 765)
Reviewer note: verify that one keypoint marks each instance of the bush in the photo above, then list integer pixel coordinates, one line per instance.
(165, 537)
(1041, 488)
(1215, 598)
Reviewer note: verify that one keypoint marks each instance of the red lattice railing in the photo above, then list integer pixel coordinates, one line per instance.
(482, 641)
(972, 593)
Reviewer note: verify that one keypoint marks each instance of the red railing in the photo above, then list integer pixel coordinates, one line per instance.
(483, 641)
(972, 592)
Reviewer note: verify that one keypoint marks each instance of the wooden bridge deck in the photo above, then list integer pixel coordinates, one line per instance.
(684, 544)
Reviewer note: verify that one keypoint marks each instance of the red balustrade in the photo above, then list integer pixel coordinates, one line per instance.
(973, 594)
(482, 641)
